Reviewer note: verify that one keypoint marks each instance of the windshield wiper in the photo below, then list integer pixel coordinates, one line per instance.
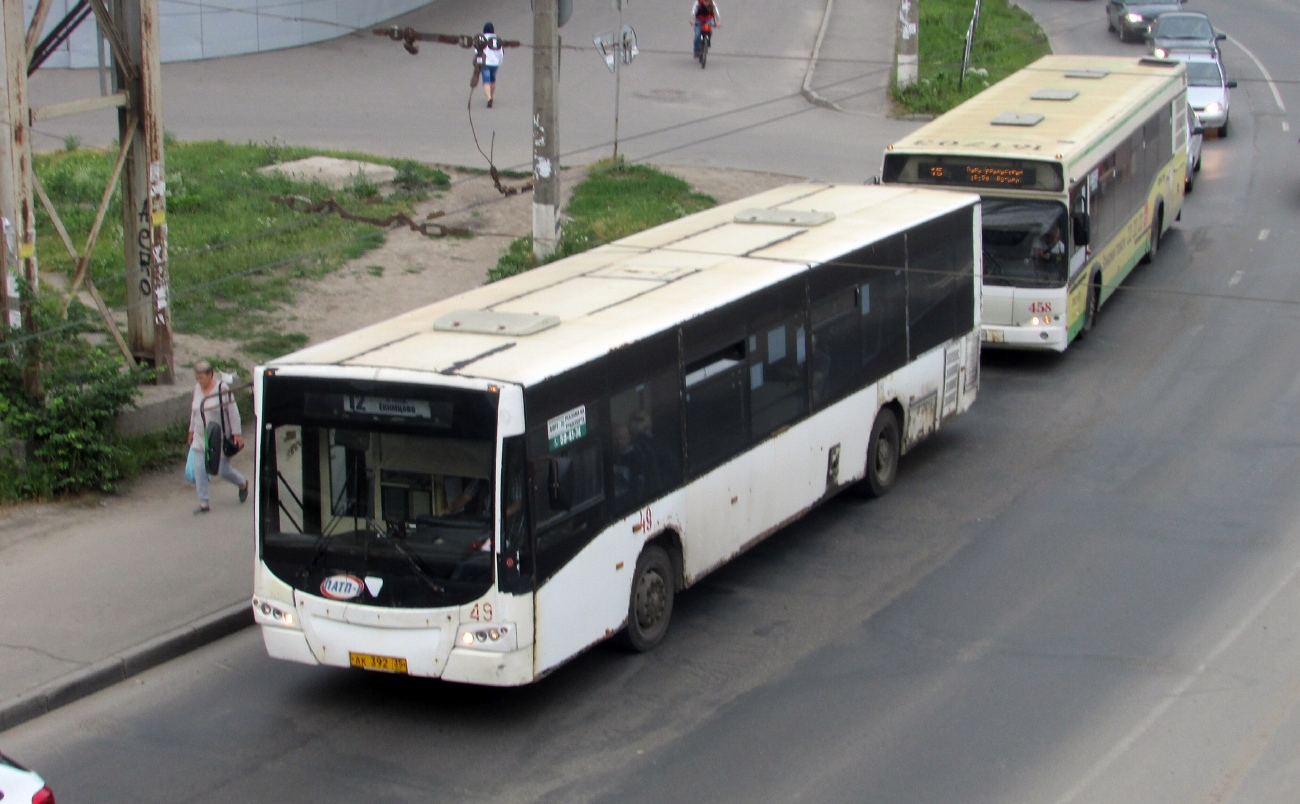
(415, 564)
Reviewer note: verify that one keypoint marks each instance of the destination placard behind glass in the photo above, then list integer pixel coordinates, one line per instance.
(437, 413)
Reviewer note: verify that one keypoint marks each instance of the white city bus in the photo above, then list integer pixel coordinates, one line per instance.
(1081, 162)
(481, 489)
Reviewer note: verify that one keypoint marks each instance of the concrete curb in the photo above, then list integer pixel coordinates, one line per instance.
(806, 90)
(87, 681)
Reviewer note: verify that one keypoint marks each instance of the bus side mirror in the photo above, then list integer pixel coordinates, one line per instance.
(559, 484)
(1220, 37)
(1231, 85)
(1198, 131)
(1081, 229)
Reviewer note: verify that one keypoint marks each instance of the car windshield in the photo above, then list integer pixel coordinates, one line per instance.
(392, 485)
(1024, 242)
(1180, 27)
(1204, 74)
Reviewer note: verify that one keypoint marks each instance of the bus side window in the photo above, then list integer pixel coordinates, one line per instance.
(777, 358)
(645, 442)
(939, 293)
(715, 407)
(836, 368)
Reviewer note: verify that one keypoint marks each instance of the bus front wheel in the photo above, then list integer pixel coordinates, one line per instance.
(882, 454)
(650, 606)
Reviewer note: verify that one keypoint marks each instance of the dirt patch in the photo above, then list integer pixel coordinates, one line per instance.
(411, 270)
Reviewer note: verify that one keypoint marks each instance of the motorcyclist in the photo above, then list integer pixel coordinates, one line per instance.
(703, 11)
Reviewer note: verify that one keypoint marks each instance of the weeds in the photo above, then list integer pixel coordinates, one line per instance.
(615, 200)
(1006, 40)
(235, 254)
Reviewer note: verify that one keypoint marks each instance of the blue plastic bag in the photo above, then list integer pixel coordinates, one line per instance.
(189, 467)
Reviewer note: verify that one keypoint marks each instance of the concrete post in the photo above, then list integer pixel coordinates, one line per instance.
(546, 117)
(907, 58)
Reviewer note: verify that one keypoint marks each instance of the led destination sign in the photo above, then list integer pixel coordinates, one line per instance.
(1002, 176)
(973, 172)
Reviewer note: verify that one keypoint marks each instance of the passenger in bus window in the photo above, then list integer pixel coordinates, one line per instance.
(629, 465)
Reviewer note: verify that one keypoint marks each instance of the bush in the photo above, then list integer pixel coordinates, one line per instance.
(71, 431)
(615, 200)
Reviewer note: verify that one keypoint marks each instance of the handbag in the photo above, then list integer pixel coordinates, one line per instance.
(229, 445)
(189, 466)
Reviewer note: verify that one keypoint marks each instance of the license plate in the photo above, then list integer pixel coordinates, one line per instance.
(384, 664)
(993, 335)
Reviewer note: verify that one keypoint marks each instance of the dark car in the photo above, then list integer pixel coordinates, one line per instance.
(1178, 32)
(1133, 18)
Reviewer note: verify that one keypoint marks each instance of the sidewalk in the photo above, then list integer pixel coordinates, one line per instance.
(95, 591)
(88, 588)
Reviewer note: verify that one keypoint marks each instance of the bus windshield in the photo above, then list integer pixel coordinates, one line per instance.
(380, 495)
(1024, 242)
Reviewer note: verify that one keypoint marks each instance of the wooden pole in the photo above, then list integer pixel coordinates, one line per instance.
(144, 211)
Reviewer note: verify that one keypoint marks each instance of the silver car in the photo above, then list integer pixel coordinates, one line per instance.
(1207, 90)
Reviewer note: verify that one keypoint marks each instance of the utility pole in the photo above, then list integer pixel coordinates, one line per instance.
(138, 71)
(19, 225)
(546, 139)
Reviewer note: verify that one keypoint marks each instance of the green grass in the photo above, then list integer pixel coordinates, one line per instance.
(615, 200)
(1006, 40)
(234, 254)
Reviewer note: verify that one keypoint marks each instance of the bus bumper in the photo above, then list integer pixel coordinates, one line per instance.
(1042, 339)
(288, 644)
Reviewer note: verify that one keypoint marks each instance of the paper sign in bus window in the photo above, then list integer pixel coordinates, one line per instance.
(566, 428)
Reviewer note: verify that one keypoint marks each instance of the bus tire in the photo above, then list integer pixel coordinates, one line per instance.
(1156, 225)
(883, 449)
(1223, 129)
(650, 605)
(1091, 306)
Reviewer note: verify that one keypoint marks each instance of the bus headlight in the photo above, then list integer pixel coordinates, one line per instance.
(500, 637)
(1160, 53)
(1134, 18)
(268, 613)
(1213, 108)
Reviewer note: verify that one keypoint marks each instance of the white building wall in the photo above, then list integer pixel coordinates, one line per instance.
(206, 29)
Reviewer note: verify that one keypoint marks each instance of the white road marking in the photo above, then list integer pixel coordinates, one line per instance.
(1263, 71)
(1263, 234)
(1176, 694)
(1235, 278)
(1286, 126)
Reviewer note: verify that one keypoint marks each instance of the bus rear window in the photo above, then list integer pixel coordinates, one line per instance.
(972, 172)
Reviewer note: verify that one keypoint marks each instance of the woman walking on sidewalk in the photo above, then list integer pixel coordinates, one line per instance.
(213, 401)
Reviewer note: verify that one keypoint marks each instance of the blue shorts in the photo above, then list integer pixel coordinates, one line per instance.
(489, 73)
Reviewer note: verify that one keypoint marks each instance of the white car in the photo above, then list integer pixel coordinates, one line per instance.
(1207, 90)
(20, 786)
(1195, 137)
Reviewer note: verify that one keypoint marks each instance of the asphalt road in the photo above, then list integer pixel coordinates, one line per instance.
(1081, 592)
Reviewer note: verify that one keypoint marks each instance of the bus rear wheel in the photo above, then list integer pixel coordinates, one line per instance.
(882, 455)
(650, 606)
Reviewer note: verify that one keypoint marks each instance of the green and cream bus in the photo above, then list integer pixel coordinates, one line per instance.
(1080, 162)
(481, 489)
